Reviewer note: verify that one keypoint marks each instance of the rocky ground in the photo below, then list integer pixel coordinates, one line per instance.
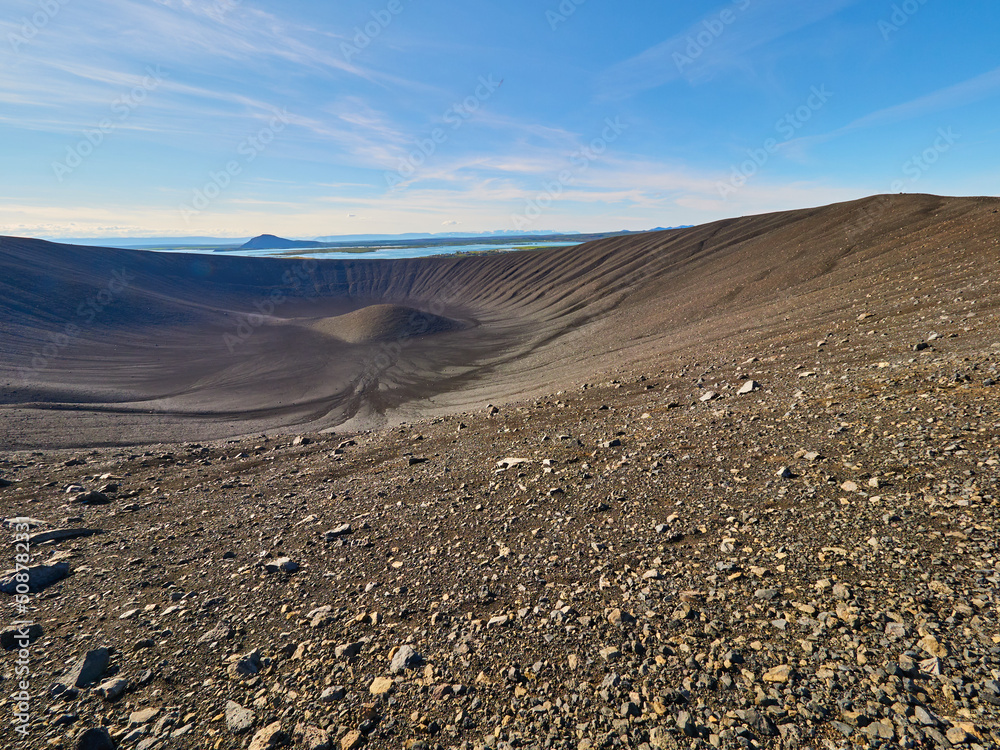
(793, 549)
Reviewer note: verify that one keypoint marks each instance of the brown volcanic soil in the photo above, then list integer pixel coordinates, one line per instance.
(647, 577)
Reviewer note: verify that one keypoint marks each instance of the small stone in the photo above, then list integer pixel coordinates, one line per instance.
(343, 530)
(957, 736)
(352, 740)
(381, 686)
(39, 577)
(781, 673)
(620, 619)
(405, 658)
(314, 738)
(708, 396)
(238, 719)
(96, 739)
(882, 730)
(510, 462)
(332, 694)
(281, 565)
(348, 650)
(112, 689)
(88, 669)
(220, 632)
(21, 637)
(91, 498)
(248, 666)
(748, 387)
(269, 737)
(610, 653)
(785, 473)
(143, 716)
(849, 486)
(686, 724)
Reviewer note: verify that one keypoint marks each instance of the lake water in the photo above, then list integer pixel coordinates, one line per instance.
(379, 252)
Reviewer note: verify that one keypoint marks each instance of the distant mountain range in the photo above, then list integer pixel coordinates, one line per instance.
(439, 235)
(318, 242)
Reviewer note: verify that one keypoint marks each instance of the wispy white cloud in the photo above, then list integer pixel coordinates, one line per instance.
(719, 41)
(947, 98)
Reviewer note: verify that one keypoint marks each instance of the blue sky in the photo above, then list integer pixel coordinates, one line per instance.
(305, 118)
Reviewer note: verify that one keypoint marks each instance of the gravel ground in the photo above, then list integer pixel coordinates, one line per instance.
(650, 561)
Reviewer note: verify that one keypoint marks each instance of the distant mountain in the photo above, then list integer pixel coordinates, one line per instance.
(438, 235)
(270, 242)
(141, 242)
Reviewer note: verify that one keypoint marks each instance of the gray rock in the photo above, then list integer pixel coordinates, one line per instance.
(343, 530)
(58, 535)
(686, 724)
(221, 632)
(333, 694)
(17, 638)
(112, 689)
(40, 577)
(96, 739)
(91, 498)
(748, 387)
(248, 666)
(314, 738)
(405, 658)
(281, 565)
(348, 650)
(88, 669)
(758, 723)
(238, 719)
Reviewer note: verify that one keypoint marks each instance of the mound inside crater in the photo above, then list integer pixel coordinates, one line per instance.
(386, 323)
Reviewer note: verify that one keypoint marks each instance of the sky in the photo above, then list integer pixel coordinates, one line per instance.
(231, 118)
